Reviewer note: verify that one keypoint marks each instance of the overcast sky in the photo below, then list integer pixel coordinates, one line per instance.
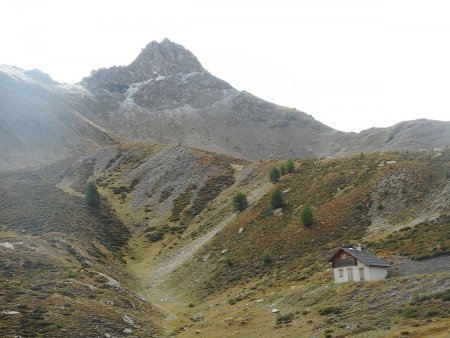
(350, 64)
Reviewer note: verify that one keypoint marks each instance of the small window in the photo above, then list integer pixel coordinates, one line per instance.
(341, 273)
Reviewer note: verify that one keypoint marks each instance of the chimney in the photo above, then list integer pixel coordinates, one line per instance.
(358, 247)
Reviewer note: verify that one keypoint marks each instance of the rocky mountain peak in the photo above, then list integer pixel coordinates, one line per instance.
(156, 59)
(163, 59)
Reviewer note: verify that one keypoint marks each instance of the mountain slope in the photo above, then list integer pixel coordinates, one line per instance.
(40, 120)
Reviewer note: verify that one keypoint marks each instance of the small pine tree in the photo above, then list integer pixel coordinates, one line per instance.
(306, 216)
(267, 259)
(282, 169)
(276, 199)
(91, 195)
(290, 166)
(274, 175)
(240, 202)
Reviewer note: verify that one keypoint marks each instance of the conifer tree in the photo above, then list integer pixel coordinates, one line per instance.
(289, 166)
(306, 216)
(91, 195)
(240, 201)
(276, 199)
(274, 175)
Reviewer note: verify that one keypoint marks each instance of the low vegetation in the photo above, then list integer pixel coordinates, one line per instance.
(424, 240)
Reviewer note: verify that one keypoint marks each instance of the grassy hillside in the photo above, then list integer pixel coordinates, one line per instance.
(31, 203)
(62, 264)
(396, 204)
(366, 198)
(168, 235)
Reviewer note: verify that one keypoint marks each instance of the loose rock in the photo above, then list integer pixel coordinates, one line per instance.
(7, 245)
(128, 320)
(8, 312)
(197, 318)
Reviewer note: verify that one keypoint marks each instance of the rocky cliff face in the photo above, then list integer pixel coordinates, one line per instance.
(166, 96)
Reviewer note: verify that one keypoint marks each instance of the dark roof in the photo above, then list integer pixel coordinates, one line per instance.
(364, 256)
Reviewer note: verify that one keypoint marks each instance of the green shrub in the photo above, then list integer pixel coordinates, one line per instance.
(282, 169)
(67, 293)
(443, 296)
(276, 199)
(432, 313)
(329, 310)
(274, 174)
(267, 259)
(306, 216)
(290, 166)
(409, 312)
(156, 236)
(240, 201)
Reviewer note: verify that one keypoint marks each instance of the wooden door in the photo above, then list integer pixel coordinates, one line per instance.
(350, 275)
(361, 274)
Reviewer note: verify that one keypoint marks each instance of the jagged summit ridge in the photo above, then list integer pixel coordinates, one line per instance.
(164, 59)
(157, 59)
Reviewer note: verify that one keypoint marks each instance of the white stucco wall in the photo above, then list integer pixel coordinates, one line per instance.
(377, 273)
(370, 273)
